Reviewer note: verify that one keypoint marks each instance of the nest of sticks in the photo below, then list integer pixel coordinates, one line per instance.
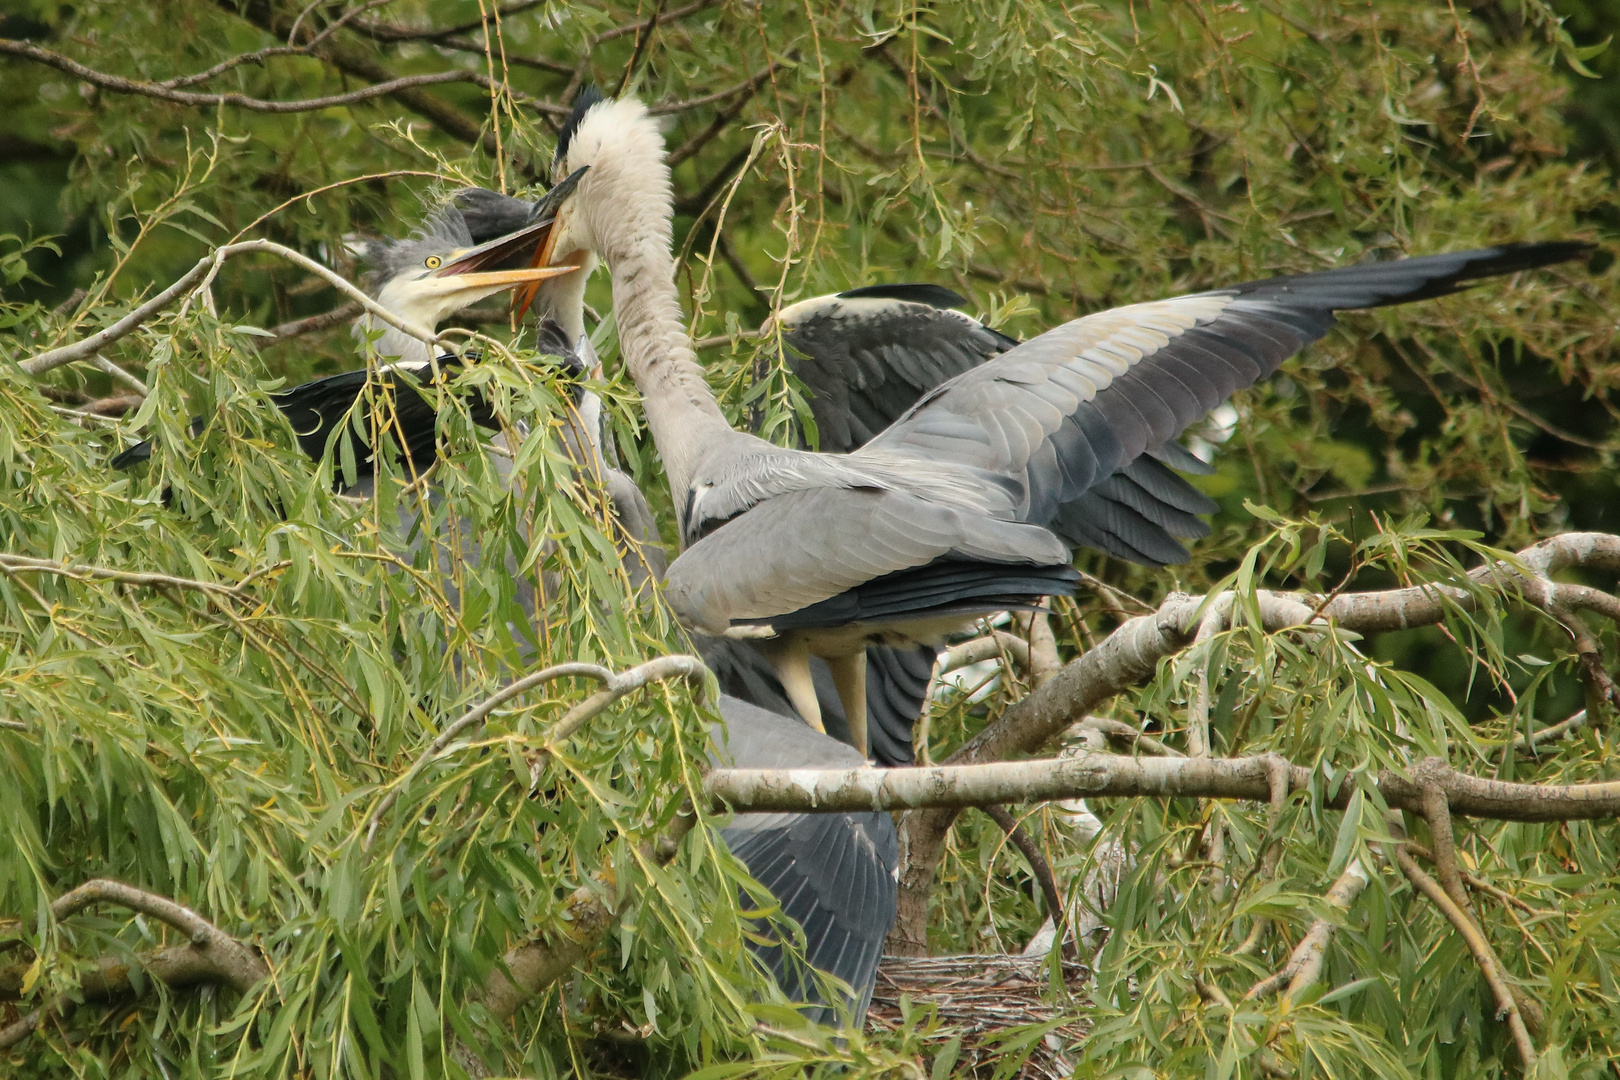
(981, 998)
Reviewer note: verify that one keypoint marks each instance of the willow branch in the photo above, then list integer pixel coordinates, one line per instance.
(120, 85)
(1038, 866)
(614, 687)
(1131, 654)
(1119, 731)
(198, 276)
(211, 955)
(1506, 1004)
(12, 565)
(1088, 774)
(591, 911)
(1305, 963)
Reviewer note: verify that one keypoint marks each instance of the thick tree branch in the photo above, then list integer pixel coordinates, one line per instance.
(1131, 653)
(1088, 774)
(211, 956)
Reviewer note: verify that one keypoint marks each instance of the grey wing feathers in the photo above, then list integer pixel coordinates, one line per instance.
(833, 874)
(1062, 413)
(866, 355)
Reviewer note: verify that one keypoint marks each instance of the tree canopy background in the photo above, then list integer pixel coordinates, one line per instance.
(1046, 160)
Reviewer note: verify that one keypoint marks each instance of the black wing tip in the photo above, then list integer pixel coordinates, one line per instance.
(141, 451)
(915, 292)
(589, 97)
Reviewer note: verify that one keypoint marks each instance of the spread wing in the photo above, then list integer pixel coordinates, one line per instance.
(866, 355)
(833, 874)
(1059, 415)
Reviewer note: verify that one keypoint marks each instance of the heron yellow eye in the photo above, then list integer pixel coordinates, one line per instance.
(432, 262)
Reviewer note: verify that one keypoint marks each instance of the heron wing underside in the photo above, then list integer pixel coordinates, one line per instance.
(1062, 413)
(799, 549)
(833, 874)
(865, 360)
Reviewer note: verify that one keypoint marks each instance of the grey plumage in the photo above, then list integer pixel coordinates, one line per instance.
(833, 874)
(1036, 436)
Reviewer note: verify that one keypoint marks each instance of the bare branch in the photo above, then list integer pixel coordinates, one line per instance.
(118, 84)
(199, 275)
(313, 324)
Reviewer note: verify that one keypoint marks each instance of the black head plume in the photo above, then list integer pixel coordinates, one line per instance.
(588, 97)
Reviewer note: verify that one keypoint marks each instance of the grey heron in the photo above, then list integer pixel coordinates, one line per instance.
(974, 499)
(423, 279)
(834, 875)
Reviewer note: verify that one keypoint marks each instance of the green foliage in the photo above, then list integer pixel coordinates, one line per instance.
(1046, 159)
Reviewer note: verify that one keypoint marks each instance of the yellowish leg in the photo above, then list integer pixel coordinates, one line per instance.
(849, 675)
(791, 658)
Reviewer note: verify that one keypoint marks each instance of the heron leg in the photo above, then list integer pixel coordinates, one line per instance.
(849, 676)
(791, 658)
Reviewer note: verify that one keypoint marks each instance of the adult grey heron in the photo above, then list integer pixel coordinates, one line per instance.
(973, 500)
(832, 874)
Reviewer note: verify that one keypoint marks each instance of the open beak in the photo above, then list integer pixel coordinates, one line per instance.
(547, 210)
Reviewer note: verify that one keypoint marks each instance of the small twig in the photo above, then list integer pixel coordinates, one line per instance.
(199, 275)
(1551, 732)
(313, 324)
(995, 644)
(11, 565)
(1121, 731)
(1305, 963)
(1507, 1004)
(120, 374)
(643, 39)
(747, 86)
(1037, 866)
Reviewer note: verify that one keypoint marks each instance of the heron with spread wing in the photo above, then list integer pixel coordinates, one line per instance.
(974, 499)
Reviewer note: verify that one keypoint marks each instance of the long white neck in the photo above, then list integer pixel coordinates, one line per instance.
(633, 211)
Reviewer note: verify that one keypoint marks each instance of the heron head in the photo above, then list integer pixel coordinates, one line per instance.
(621, 145)
(439, 270)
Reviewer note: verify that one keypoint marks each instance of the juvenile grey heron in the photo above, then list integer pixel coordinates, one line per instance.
(423, 279)
(972, 501)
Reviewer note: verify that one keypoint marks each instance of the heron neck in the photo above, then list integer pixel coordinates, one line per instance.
(681, 412)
